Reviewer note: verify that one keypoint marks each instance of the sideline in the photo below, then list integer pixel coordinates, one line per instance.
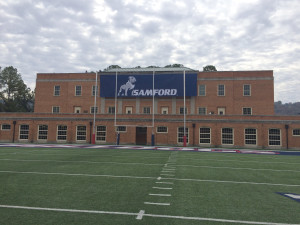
(142, 214)
(160, 148)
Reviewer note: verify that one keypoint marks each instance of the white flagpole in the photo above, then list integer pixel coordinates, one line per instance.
(152, 136)
(184, 125)
(95, 103)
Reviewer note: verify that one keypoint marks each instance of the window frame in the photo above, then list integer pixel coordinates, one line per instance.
(4, 128)
(147, 110)
(61, 133)
(42, 132)
(56, 92)
(250, 134)
(223, 138)
(182, 133)
(121, 131)
(78, 92)
(55, 109)
(101, 133)
(280, 138)
(78, 133)
(203, 133)
(205, 109)
(247, 108)
(296, 129)
(245, 92)
(95, 89)
(162, 132)
(201, 90)
(25, 132)
(128, 109)
(181, 110)
(93, 108)
(111, 110)
(164, 109)
(220, 91)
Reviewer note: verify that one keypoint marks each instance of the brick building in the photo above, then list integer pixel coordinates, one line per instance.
(222, 109)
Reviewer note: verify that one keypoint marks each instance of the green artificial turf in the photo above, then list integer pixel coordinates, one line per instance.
(217, 187)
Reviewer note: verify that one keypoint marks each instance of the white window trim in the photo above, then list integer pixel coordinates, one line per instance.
(81, 135)
(244, 90)
(188, 135)
(131, 110)
(61, 141)
(297, 135)
(204, 90)
(144, 110)
(203, 108)
(101, 141)
(250, 134)
(54, 90)
(246, 108)
(20, 132)
(165, 108)
(92, 108)
(279, 135)
(224, 90)
(232, 136)
(80, 90)
(209, 135)
(38, 132)
(6, 129)
(57, 107)
(121, 131)
(162, 132)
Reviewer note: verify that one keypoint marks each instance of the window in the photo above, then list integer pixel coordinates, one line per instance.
(55, 109)
(121, 129)
(247, 90)
(24, 132)
(296, 132)
(274, 137)
(5, 127)
(43, 132)
(221, 111)
(221, 90)
(94, 88)
(146, 110)
(128, 110)
(180, 134)
(77, 109)
(93, 109)
(227, 136)
(202, 111)
(111, 110)
(250, 136)
(247, 111)
(162, 129)
(77, 90)
(101, 133)
(202, 90)
(181, 110)
(81, 133)
(56, 90)
(62, 132)
(204, 135)
(164, 110)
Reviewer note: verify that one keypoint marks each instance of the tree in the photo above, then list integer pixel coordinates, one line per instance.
(174, 65)
(209, 68)
(112, 67)
(15, 95)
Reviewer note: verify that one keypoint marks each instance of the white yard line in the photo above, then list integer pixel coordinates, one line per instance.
(162, 188)
(155, 178)
(164, 182)
(163, 195)
(156, 203)
(142, 214)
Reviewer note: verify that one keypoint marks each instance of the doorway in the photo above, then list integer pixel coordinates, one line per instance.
(141, 135)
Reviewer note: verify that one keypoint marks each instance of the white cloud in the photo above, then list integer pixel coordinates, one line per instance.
(74, 36)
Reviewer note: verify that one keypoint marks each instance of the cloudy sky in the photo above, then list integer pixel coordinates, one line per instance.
(88, 35)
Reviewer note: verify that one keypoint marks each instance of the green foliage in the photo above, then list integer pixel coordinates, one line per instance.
(209, 68)
(174, 65)
(15, 96)
(152, 66)
(112, 67)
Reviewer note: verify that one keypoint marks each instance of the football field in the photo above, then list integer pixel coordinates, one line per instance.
(126, 186)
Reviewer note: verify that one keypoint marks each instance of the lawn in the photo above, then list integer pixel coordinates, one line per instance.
(123, 186)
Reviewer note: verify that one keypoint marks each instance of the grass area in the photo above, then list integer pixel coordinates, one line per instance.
(196, 188)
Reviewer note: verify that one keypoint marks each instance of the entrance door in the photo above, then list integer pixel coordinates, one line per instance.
(141, 135)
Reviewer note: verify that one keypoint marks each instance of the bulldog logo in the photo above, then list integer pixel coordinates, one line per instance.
(127, 87)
